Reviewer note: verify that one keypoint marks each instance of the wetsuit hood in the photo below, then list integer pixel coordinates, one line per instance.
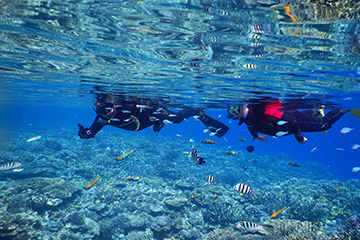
(243, 113)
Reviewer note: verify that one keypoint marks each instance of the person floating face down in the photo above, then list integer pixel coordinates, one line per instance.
(274, 119)
(136, 115)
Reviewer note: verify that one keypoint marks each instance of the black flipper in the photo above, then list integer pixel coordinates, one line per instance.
(213, 125)
(355, 113)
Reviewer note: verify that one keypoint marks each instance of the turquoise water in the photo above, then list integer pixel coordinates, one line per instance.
(56, 55)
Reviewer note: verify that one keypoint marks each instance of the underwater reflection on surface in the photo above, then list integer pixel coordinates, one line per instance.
(197, 52)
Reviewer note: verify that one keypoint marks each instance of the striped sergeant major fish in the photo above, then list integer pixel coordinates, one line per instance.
(256, 45)
(9, 166)
(242, 189)
(250, 66)
(250, 227)
(198, 41)
(257, 28)
(210, 179)
(196, 158)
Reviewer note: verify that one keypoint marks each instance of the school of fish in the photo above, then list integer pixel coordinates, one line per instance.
(240, 188)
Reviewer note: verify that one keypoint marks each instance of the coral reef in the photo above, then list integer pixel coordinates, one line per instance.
(222, 234)
(278, 229)
(40, 194)
(351, 230)
(48, 199)
(222, 213)
(19, 226)
(294, 229)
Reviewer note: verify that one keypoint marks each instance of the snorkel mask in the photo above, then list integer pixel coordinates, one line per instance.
(233, 111)
(238, 112)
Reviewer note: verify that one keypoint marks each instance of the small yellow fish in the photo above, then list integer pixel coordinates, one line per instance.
(208, 141)
(93, 182)
(194, 196)
(277, 213)
(96, 62)
(33, 139)
(287, 11)
(124, 155)
(138, 177)
(216, 197)
(254, 36)
(293, 164)
(134, 178)
(231, 153)
(242, 139)
(320, 224)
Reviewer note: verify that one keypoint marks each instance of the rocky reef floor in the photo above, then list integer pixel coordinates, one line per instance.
(48, 199)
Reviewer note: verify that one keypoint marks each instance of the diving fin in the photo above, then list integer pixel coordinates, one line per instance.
(355, 113)
(213, 124)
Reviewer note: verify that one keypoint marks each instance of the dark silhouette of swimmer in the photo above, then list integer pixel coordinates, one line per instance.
(275, 119)
(135, 115)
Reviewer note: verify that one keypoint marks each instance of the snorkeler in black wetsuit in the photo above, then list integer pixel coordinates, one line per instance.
(274, 119)
(138, 115)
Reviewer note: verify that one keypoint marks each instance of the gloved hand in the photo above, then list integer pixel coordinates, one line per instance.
(158, 126)
(303, 141)
(262, 138)
(84, 132)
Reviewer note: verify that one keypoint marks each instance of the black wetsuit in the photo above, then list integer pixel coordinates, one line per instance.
(274, 120)
(135, 116)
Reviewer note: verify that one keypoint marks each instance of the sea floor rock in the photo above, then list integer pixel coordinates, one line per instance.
(162, 224)
(136, 221)
(19, 226)
(176, 202)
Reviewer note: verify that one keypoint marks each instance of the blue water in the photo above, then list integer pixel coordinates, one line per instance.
(339, 163)
(55, 56)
